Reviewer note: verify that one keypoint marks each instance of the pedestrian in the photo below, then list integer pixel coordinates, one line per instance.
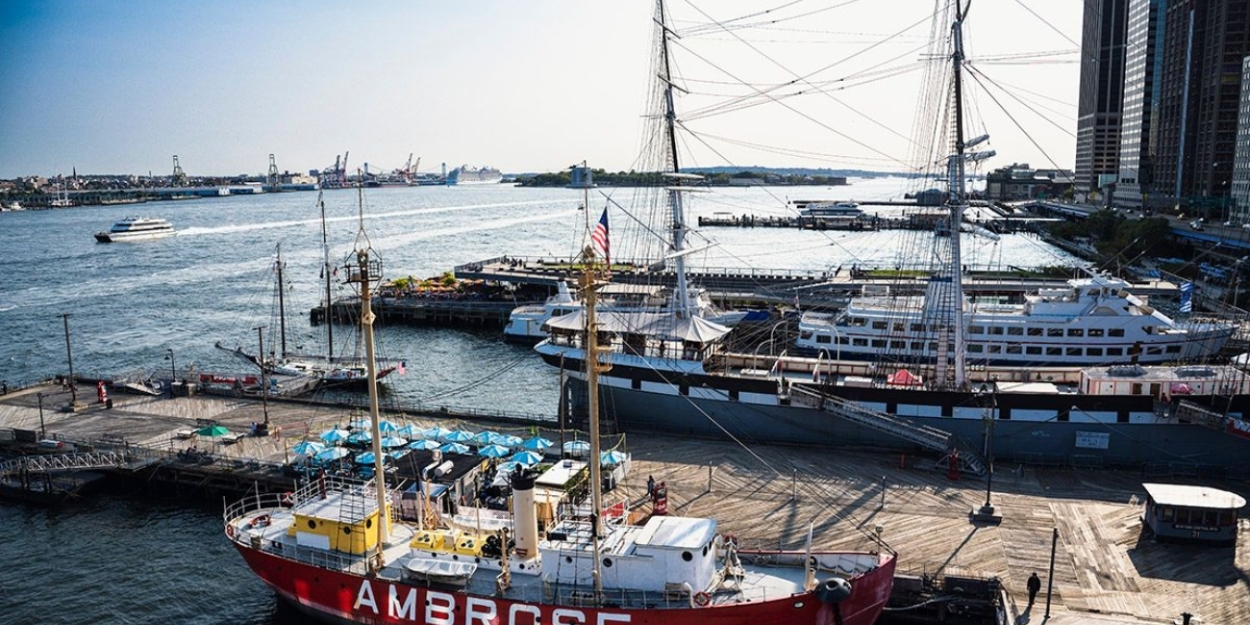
(1035, 585)
(650, 485)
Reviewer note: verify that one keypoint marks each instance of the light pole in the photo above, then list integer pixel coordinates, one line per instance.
(173, 370)
(69, 356)
(43, 432)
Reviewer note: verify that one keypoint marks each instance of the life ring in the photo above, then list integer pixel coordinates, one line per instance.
(288, 498)
(702, 599)
(261, 521)
(230, 531)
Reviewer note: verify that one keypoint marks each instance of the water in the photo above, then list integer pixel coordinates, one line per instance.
(130, 305)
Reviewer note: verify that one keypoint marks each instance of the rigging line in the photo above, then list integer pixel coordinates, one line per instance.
(759, 13)
(805, 115)
(788, 18)
(975, 76)
(793, 152)
(1051, 26)
(1038, 94)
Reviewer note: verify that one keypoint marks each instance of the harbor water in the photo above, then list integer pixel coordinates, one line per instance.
(132, 306)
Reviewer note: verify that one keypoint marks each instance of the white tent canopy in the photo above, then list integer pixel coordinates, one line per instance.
(661, 325)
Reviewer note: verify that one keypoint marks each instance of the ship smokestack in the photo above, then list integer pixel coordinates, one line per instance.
(524, 513)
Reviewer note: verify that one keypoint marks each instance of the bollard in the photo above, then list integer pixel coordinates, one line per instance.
(709, 478)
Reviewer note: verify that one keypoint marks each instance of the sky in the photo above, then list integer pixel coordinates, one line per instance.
(119, 88)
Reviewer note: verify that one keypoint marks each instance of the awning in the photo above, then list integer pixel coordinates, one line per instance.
(660, 325)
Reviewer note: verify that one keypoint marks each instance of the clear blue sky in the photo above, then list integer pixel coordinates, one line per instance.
(120, 87)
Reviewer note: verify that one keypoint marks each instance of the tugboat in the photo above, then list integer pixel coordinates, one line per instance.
(334, 549)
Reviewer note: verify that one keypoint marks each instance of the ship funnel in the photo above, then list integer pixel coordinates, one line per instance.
(524, 515)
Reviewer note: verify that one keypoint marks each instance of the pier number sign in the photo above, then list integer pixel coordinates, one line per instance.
(1093, 440)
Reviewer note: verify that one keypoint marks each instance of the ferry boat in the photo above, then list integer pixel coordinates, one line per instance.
(136, 229)
(680, 375)
(465, 175)
(829, 210)
(334, 549)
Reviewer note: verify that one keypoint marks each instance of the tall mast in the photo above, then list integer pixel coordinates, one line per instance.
(281, 302)
(957, 199)
(593, 369)
(682, 305)
(327, 270)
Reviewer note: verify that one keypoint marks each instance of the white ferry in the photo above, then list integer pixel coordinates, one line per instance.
(136, 229)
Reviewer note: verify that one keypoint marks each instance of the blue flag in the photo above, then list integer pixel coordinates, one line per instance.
(1187, 297)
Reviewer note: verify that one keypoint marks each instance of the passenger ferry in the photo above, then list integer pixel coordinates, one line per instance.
(136, 229)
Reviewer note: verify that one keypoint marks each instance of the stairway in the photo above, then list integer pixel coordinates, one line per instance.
(927, 437)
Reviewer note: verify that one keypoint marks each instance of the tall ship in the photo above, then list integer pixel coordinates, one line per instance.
(337, 550)
(136, 229)
(464, 175)
(1071, 375)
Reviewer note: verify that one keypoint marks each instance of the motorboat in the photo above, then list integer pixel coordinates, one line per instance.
(136, 229)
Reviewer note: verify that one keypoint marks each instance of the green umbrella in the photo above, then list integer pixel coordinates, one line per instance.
(213, 431)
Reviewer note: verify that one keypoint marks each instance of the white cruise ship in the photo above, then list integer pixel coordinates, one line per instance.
(136, 229)
(473, 175)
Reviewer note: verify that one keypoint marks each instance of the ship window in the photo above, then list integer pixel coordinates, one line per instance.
(733, 395)
(996, 330)
(974, 349)
(879, 325)
(1115, 351)
(898, 344)
(859, 342)
(824, 339)
(842, 340)
(1033, 350)
(1115, 332)
(917, 346)
(1015, 331)
(684, 389)
(858, 321)
(312, 524)
(1174, 349)
(687, 556)
(1154, 350)
(878, 343)
(1093, 351)
(1035, 331)
(1074, 351)
(898, 326)
(1095, 332)
(636, 384)
(806, 335)
(933, 347)
(607, 562)
(1013, 349)
(1054, 331)
(996, 349)
(1077, 332)
(976, 330)
(917, 327)
(1054, 351)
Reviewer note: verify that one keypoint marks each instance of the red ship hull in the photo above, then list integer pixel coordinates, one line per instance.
(348, 598)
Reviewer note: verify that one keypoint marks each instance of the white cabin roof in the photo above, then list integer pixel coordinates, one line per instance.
(676, 532)
(1194, 496)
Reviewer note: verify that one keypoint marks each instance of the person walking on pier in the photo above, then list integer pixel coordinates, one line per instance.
(1034, 585)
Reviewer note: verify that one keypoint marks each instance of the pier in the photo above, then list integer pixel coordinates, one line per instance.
(1106, 570)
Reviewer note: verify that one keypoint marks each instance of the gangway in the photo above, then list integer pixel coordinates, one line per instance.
(70, 462)
(930, 438)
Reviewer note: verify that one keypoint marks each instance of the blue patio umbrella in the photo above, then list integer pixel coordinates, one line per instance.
(424, 444)
(308, 448)
(386, 427)
(612, 457)
(398, 454)
(393, 441)
(485, 437)
(577, 447)
(454, 448)
(527, 458)
(335, 435)
(436, 433)
(507, 440)
(360, 438)
(493, 451)
(409, 431)
(536, 443)
(331, 454)
(458, 436)
(509, 466)
(367, 458)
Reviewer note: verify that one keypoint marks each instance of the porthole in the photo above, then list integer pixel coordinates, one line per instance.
(607, 562)
(687, 556)
(368, 523)
(312, 524)
(705, 550)
(347, 529)
(568, 559)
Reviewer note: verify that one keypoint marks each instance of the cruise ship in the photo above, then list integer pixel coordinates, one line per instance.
(473, 175)
(136, 229)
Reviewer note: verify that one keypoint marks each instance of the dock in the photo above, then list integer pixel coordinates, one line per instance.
(1106, 571)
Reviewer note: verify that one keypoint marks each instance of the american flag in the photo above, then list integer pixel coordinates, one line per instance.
(600, 236)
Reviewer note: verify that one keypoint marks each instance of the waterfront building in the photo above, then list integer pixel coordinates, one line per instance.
(1239, 206)
(1203, 47)
(1102, 84)
(1142, 64)
(1018, 181)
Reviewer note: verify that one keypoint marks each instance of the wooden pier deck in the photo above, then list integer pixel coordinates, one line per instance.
(1105, 571)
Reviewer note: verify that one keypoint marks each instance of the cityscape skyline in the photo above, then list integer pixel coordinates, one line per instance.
(520, 88)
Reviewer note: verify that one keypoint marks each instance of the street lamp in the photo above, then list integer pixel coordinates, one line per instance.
(43, 433)
(173, 370)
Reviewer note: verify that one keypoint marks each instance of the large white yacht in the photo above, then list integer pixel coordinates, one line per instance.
(136, 229)
(1093, 321)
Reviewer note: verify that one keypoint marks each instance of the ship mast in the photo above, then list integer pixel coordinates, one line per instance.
(327, 270)
(593, 368)
(675, 201)
(281, 302)
(367, 270)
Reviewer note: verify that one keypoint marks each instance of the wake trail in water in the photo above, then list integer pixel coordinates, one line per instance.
(429, 210)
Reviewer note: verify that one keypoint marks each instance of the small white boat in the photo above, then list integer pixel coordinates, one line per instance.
(136, 229)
